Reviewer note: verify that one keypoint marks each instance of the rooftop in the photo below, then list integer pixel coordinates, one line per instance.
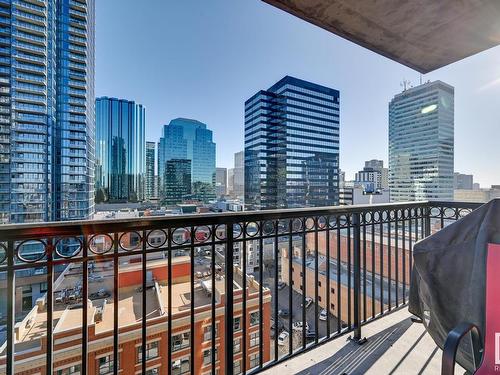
(67, 311)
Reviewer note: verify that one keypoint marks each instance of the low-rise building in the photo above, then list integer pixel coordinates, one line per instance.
(30, 333)
(356, 194)
(477, 195)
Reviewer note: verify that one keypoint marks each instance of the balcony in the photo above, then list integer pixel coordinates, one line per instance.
(395, 345)
(318, 274)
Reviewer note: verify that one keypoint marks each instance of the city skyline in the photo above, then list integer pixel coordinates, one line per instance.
(173, 84)
(186, 210)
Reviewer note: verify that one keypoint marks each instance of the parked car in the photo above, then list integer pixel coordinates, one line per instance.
(283, 313)
(282, 338)
(95, 278)
(101, 293)
(310, 335)
(323, 315)
(281, 285)
(297, 326)
(309, 301)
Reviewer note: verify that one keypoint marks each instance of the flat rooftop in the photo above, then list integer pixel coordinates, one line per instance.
(68, 314)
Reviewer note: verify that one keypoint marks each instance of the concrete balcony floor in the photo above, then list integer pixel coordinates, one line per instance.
(395, 345)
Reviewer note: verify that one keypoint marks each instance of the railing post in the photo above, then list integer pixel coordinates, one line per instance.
(228, 308)
(427, 225)
(356, 227)
(11, 293)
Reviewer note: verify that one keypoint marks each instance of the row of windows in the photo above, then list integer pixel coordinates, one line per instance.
(298, 89)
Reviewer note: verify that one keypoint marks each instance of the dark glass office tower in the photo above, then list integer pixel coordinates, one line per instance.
(46, 110)
(292, 146)
(120, 156)
(177, 181)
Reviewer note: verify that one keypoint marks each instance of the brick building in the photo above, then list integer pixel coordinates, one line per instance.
(30, 333)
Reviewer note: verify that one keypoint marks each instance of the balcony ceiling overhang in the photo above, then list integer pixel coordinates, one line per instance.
(422, 34)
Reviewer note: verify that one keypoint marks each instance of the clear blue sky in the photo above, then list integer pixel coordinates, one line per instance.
(203, 59)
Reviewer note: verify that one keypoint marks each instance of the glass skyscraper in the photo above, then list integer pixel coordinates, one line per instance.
(189, 139)
(46, 110)
(120, 150)
(150, 170)
(292, 146)
(177, 181)
(421, 143)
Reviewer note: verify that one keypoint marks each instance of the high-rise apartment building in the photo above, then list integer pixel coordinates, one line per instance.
(221, 182)
(421, 143)
(189, 139)
(120, 150)
(150, 170)
(463, 181)
(177, 181)
(292, 146)
(239, 175)
(46, 110)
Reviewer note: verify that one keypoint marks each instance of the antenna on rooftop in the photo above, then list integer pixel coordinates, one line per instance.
(406, 84)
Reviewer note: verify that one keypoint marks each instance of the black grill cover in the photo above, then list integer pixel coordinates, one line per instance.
(448, 279)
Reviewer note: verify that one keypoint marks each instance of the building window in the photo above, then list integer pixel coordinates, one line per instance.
(332, 290)
(332, 306)
(207, 332)
(319, 283)
(43, 287)
(254, 318)
(254, 360)
(207, 356)
(69, 370)
(181, 366)
(151, 351)
(153, 371)
(237, 323)
(180, 341)
(236, 345)
(237, 367)
(105, 364)
(27, 298)
(254, 339)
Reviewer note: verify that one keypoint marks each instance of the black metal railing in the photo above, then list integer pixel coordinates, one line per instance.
(274, 283)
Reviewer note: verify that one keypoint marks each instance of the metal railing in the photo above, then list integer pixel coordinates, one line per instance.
(316, 273)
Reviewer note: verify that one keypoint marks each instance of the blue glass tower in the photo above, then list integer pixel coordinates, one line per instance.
(292, 146)
(120, 150)
(189, 139)
(46, 110)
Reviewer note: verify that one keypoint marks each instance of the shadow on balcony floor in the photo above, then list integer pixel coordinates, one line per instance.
(395, 346)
